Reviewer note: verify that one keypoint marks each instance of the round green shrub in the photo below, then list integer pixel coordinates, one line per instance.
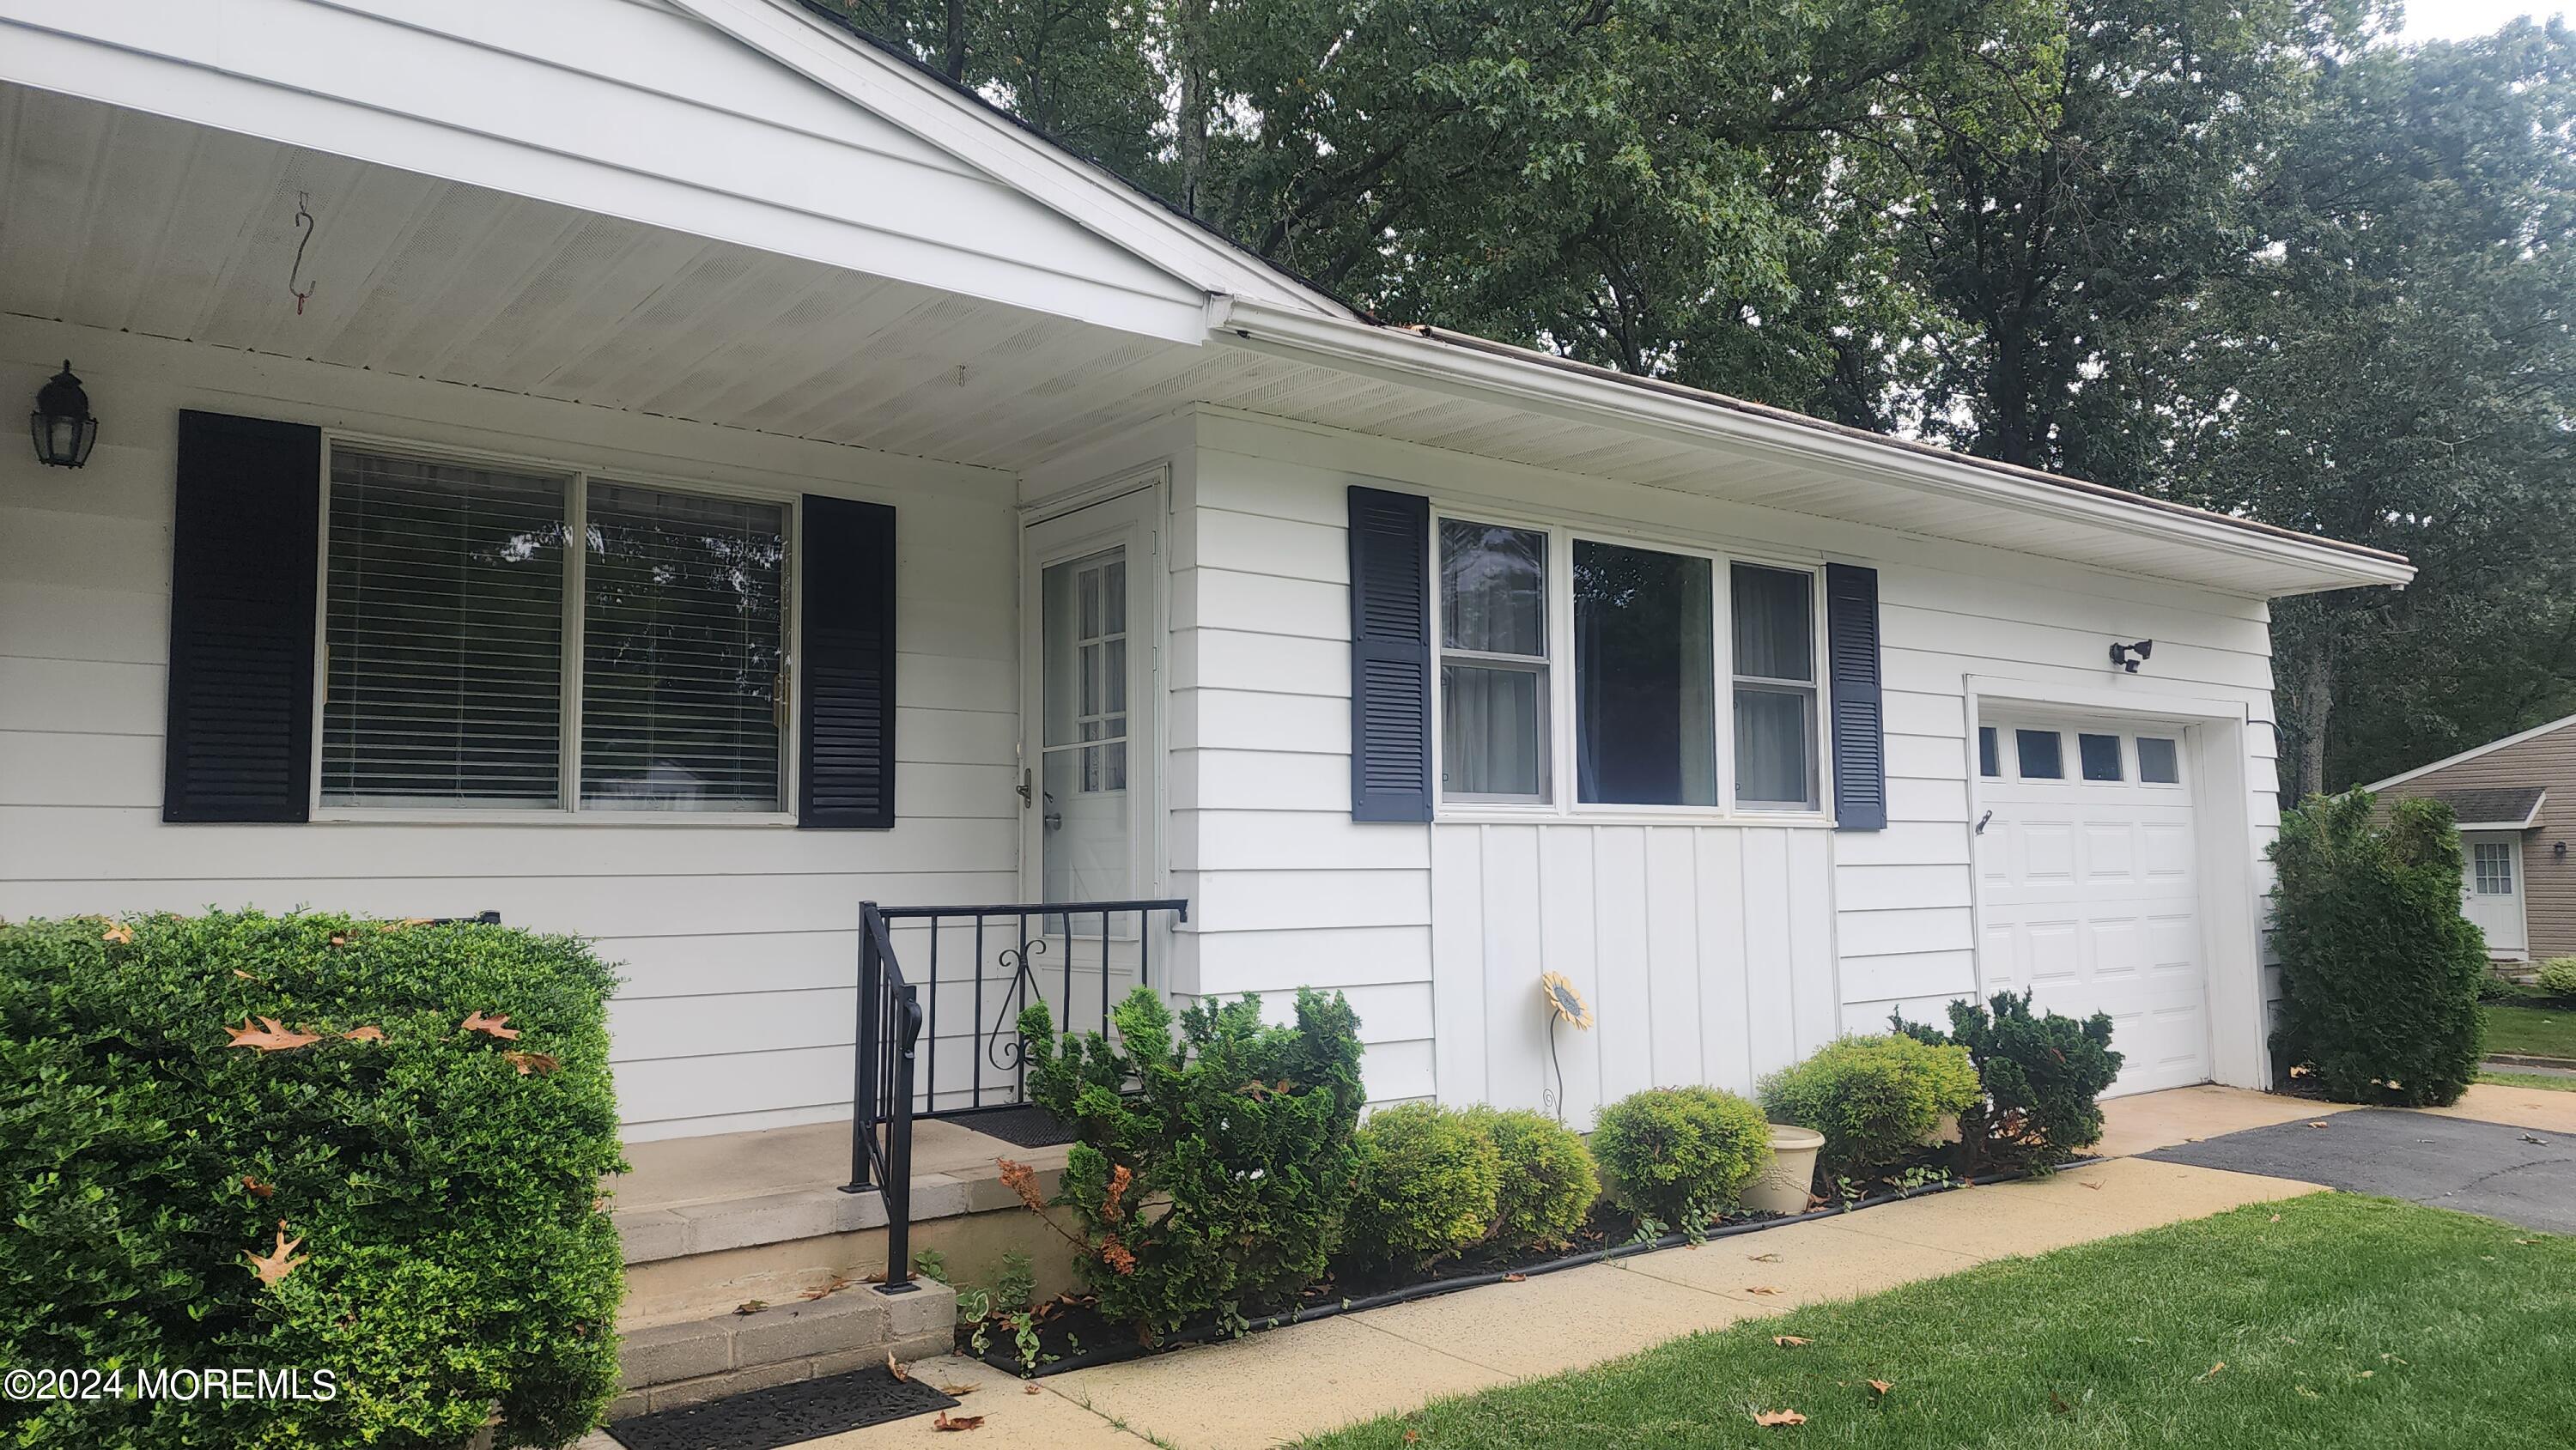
(1679, 1154)
(442, 1182)
(2558, 976)
(1875, 1099)
(1429, 1180)
(1548, 1182)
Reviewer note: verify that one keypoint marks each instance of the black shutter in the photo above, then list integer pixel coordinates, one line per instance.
(1860, 735)
(244, 536)
(845, 728)
(1390, 656)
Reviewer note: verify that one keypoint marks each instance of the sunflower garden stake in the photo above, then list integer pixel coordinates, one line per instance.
(1564, 1004)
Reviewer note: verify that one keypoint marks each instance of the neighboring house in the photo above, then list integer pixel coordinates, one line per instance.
(672, 471)
(2511, 797)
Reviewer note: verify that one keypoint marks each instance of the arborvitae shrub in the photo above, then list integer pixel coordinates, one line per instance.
(1549, 1183)
(2379, 970)
(1876, 1099)
(443, 1181)
(1224, 1179)
(1427, 1185)
(1679, 1155)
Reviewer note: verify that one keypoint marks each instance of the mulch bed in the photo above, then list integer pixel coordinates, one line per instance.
(1072, 1334)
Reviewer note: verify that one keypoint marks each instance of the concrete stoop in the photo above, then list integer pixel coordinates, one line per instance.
(669, 1365)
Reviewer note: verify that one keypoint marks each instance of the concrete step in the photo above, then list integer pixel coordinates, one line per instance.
(683, 1363)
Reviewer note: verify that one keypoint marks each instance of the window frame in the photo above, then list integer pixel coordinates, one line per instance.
(1560, 701)
(576, 475)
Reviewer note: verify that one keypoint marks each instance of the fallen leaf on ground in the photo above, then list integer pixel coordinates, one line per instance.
(947, 1421)
(1412, 1435)
(2319, 1124)
(1778, 1417)
(1787, 1341)
(119, 933)
(1030, 1390)
(492, 1026)
(2276, 1218)
(892, 1368)
(836, 1286)
(540, 1063)
(281, 1261)
(961, 1391)
(2365, 1374)
(2214, 1369)
(1766, 1258)
(2526, 1241)
(2057, 1404)
(2528, 1138)
(268, 1036)
(365, 1034)
(751, 1306)
(1515, 1278)
(1879, 1387)
(257, 1188)
(1761, 1289)
(2096, 1187)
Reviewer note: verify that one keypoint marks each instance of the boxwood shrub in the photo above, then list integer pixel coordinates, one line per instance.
(1679, 1155)
(1875, 1099)
(1548, 1183)
(449, 1256)
(1428, 1182)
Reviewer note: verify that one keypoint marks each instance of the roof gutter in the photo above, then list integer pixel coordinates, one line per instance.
(1468, 366)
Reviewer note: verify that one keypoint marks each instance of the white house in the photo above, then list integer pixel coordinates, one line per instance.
(669, 471)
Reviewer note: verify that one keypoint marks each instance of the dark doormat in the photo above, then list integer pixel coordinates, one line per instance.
(1029, 1126)
(2521, 1175)
(783, 1414)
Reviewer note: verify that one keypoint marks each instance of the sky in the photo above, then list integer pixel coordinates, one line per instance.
(2456, 19)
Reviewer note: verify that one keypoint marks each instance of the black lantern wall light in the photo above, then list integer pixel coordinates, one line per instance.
(62, 425)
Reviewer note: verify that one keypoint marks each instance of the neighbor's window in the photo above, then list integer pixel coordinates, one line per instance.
(1493, 662)
(450, 591)
(1644, 677)
(1775, 688)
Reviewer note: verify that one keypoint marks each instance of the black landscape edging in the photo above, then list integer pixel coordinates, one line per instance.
(1002, 1358)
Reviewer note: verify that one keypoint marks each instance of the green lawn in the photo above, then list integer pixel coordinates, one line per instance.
(2354, 1323)
(2541, 1080)
(2534, 1030)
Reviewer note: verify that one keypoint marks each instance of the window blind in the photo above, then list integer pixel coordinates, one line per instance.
(444, 633)
(683, 636)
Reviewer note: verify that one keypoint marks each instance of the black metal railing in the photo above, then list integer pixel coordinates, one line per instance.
(940, 1038)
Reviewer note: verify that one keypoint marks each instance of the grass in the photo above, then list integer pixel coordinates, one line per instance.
(2541, 1080)
(2350, 1324)
(2536, 1031)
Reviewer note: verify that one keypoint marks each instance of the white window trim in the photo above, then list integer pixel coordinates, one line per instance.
(577, 476)
(1560, 701)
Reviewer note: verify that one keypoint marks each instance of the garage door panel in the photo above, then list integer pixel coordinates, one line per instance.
(2090, 900)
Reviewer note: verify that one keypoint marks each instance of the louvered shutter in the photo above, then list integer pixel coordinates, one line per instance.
(1859, 735)
(845, 733)
(1390, 656)
(239, 739)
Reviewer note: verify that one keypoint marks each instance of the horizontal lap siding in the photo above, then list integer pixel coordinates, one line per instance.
(1710, 953)
(2549, 879)
(738, 944)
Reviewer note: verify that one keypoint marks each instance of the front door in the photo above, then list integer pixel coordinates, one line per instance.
(2491, 890)
(1089, 667)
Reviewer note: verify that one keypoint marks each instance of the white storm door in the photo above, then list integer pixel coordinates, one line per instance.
(2491, 890)
(1088, 665)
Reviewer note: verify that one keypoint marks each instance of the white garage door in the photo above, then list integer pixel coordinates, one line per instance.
(2091, 895)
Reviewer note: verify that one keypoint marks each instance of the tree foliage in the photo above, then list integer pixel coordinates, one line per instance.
(2250, 254)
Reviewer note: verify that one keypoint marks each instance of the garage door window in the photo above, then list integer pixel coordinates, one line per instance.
(2099, 755)
(1990, 752)
(2159, 763)
(2494, 865)
(2041, 754)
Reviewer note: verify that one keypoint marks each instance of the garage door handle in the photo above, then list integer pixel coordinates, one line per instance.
(1981, 823)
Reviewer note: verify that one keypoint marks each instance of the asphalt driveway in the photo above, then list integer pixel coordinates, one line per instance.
(2521, 1175)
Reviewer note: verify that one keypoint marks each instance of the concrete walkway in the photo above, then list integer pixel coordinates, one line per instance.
(1277, 1386)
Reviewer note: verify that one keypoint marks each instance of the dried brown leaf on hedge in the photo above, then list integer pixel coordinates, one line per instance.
(540, 1063)
(494, 1026)
(365, 1034)
(269, 1036)
(256, 1188)
(119, 933)
(281, 1261)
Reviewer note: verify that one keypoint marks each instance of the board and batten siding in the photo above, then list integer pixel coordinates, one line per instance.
(738, 942)
(1710, 952)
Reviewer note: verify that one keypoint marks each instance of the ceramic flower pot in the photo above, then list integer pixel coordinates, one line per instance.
(1783, 1184)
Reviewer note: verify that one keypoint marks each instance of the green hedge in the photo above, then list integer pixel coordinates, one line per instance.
(454, 1258)
(1679, 1155)
(1876, 1099)
(1428, 1183)
(1549, 1183)
(2379, 971)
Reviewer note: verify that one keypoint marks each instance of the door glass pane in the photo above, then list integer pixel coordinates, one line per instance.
(1493, 731)
(1644, 677)
(2099, 755)
(1493, 588)
(1083, 815)
(2158, 762)
(2494, 868)
(2041, 753)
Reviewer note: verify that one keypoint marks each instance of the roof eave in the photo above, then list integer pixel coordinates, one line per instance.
(1430, 356)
